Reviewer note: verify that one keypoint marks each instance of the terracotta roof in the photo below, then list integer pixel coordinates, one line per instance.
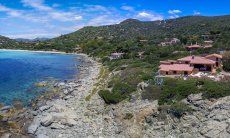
(214, 55)
(193, 46)
(197, 60)
(176, 67)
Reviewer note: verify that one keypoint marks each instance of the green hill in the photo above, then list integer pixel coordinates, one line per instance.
(188, 29)
(7, 42)
(131, 29)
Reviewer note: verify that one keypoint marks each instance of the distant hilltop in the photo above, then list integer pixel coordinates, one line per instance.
(31, 40)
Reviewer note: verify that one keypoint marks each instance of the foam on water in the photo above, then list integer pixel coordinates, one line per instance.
(20, 70)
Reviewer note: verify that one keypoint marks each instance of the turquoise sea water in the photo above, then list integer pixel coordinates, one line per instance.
(20, 70)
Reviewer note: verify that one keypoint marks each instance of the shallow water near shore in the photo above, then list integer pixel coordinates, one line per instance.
(21, 70)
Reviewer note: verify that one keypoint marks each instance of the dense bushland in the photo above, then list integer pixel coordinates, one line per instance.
(178, 89)
(226, 61)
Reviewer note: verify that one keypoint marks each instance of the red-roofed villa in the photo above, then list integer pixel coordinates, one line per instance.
(191, 64)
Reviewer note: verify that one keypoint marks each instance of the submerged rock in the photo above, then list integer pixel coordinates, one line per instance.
(41, 84)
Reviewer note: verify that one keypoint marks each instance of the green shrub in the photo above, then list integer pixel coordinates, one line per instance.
(177, 89)
(110, 98)
(151, 93)
(105, 59)
(1, 117)
(119, 92)
(123, 88)
(226, 61)
(213, 89)
(178, 109)
(199, 83)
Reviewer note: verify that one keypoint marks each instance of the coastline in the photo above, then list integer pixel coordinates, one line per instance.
(62, 112)
(39, 51)
(71, 115)
(88, 72)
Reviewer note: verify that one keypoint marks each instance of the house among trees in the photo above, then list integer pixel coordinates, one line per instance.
(191, 64)
(208, 44)
(116, 56)
(193, 47)
(170, 42)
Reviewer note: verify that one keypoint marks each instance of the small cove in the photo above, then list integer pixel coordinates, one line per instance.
(21, 70)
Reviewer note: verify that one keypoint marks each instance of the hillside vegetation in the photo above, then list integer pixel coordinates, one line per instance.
(187, 29)
(7, 43)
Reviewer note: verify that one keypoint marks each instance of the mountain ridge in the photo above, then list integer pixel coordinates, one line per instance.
(133, 30)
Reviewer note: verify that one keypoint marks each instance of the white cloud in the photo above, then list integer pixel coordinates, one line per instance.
(149, 16)
(127, 8)
(20, 14)
(91, 8)
(174, 11)
(51, 12)
(196, 13)
(78, 17)
(103, 20)
(50, 20)
(10, 12)
(37, 4)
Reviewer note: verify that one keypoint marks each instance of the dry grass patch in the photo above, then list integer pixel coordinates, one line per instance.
(102, 82)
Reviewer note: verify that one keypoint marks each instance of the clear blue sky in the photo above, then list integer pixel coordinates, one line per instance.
(50, 18)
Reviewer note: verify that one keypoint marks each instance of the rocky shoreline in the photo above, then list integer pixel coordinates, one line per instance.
(23, 118)
(72, 115)
(60, 113)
